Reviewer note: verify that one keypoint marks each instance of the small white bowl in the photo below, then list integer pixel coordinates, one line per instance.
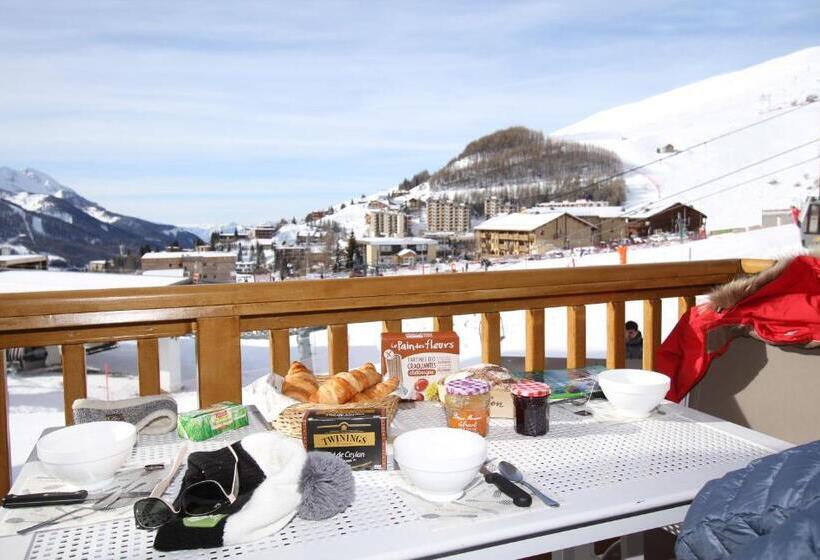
(634, 393)
(440, 462)
(87, 455)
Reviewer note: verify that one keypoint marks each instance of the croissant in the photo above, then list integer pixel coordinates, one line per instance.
(299, 383)
(373, 376)
(377, 391)
(335, 390)
(357, 379)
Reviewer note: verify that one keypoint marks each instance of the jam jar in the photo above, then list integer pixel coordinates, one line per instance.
(467, 403)
(531, 400)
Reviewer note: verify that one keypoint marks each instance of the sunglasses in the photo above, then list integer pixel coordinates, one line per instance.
(201, 498)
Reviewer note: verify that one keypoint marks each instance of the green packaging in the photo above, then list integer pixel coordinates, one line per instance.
(199, 425)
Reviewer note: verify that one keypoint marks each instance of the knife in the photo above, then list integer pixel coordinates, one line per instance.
(41, 499)
(519, 496)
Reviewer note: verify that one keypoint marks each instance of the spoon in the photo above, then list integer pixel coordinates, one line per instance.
(437, 515)
(511, 472)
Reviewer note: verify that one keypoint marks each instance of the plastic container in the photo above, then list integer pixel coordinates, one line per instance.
(467, 404)
(531, 402)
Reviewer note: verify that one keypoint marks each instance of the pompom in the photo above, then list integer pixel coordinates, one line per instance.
(327, 486)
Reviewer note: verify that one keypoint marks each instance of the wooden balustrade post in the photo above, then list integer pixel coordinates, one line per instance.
(534, 356)
(392, 326)
(615, 349)
(576, 336)
(5, 447)
(651, 331)
(443, 324)
(74, 386)
(219, 360)
(148, 365)
(279, 351)
(491, 338)
(337, 349)
(685, 304)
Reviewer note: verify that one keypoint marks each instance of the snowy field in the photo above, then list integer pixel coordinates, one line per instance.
(36, 400)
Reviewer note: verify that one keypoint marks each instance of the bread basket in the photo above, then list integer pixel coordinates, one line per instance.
(289, 422)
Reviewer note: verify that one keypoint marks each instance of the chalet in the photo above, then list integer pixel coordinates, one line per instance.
(532, 234)
(654, 218)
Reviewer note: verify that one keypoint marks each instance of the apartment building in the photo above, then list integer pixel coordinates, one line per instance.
(493, 206)
(387, 223)
(446, 215)
(532, 234)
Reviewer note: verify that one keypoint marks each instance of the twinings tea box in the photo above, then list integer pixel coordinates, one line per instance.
(420, 360)
(205, 423)
(359, 437)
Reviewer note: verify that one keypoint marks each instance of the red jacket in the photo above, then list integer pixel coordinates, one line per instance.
(784, 311)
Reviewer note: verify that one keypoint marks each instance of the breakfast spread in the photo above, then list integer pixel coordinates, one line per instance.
(467, 405)
(419, 360)
(199, 425)
(358, 437)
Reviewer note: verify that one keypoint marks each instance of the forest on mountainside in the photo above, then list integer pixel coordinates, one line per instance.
(522, 164)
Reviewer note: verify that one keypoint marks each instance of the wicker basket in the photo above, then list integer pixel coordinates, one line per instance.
(289, 421)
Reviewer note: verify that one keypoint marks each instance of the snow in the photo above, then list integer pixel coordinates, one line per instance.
(21, 281)
(692, 114)
(518, 221)
(37, 225)
(186, 255)
(31, 202)
(29, 181)
(100, 214)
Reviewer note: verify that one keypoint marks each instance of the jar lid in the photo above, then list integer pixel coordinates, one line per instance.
(531, 389)
(465, 387)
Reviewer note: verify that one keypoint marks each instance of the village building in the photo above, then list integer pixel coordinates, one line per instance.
(97, 265)
(609, 220)
(386, 223)
(446, 215)
(202, 267)
(387, 251)
(28, 262)
(669, 218)
(532, 234)
(264, 231)
(493, 206)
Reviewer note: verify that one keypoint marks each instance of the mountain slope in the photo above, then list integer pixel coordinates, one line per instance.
(41, 215)
(781, 90)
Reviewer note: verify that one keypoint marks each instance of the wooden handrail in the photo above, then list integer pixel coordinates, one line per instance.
(217, 314)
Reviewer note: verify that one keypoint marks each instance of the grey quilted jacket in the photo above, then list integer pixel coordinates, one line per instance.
(769, 510)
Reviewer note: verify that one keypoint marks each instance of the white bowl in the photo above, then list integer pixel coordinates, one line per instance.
(634, 392)
(440, 462)
(87, 455)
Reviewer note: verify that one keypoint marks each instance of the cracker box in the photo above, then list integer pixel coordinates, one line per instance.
(420, 360)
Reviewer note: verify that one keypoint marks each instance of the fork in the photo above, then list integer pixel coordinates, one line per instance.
(103, 504)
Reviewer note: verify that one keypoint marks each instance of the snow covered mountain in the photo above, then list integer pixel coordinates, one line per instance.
(766, 112)
(39, 214)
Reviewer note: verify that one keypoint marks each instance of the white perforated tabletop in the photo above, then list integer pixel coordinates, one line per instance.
(611, 478)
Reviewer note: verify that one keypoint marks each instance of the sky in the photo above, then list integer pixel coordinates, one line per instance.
(205, 112)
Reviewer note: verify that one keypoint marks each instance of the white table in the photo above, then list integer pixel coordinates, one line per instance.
(612, 479)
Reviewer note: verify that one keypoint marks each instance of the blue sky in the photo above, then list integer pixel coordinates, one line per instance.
(207, 112)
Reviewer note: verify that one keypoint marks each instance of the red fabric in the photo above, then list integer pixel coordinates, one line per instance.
(784, 311)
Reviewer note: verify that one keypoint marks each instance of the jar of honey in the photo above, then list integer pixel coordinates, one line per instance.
(467, 403)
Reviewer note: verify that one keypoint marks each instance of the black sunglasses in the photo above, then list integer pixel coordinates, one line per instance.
(201, 498)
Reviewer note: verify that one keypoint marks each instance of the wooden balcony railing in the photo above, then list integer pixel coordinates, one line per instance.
(217, 314)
